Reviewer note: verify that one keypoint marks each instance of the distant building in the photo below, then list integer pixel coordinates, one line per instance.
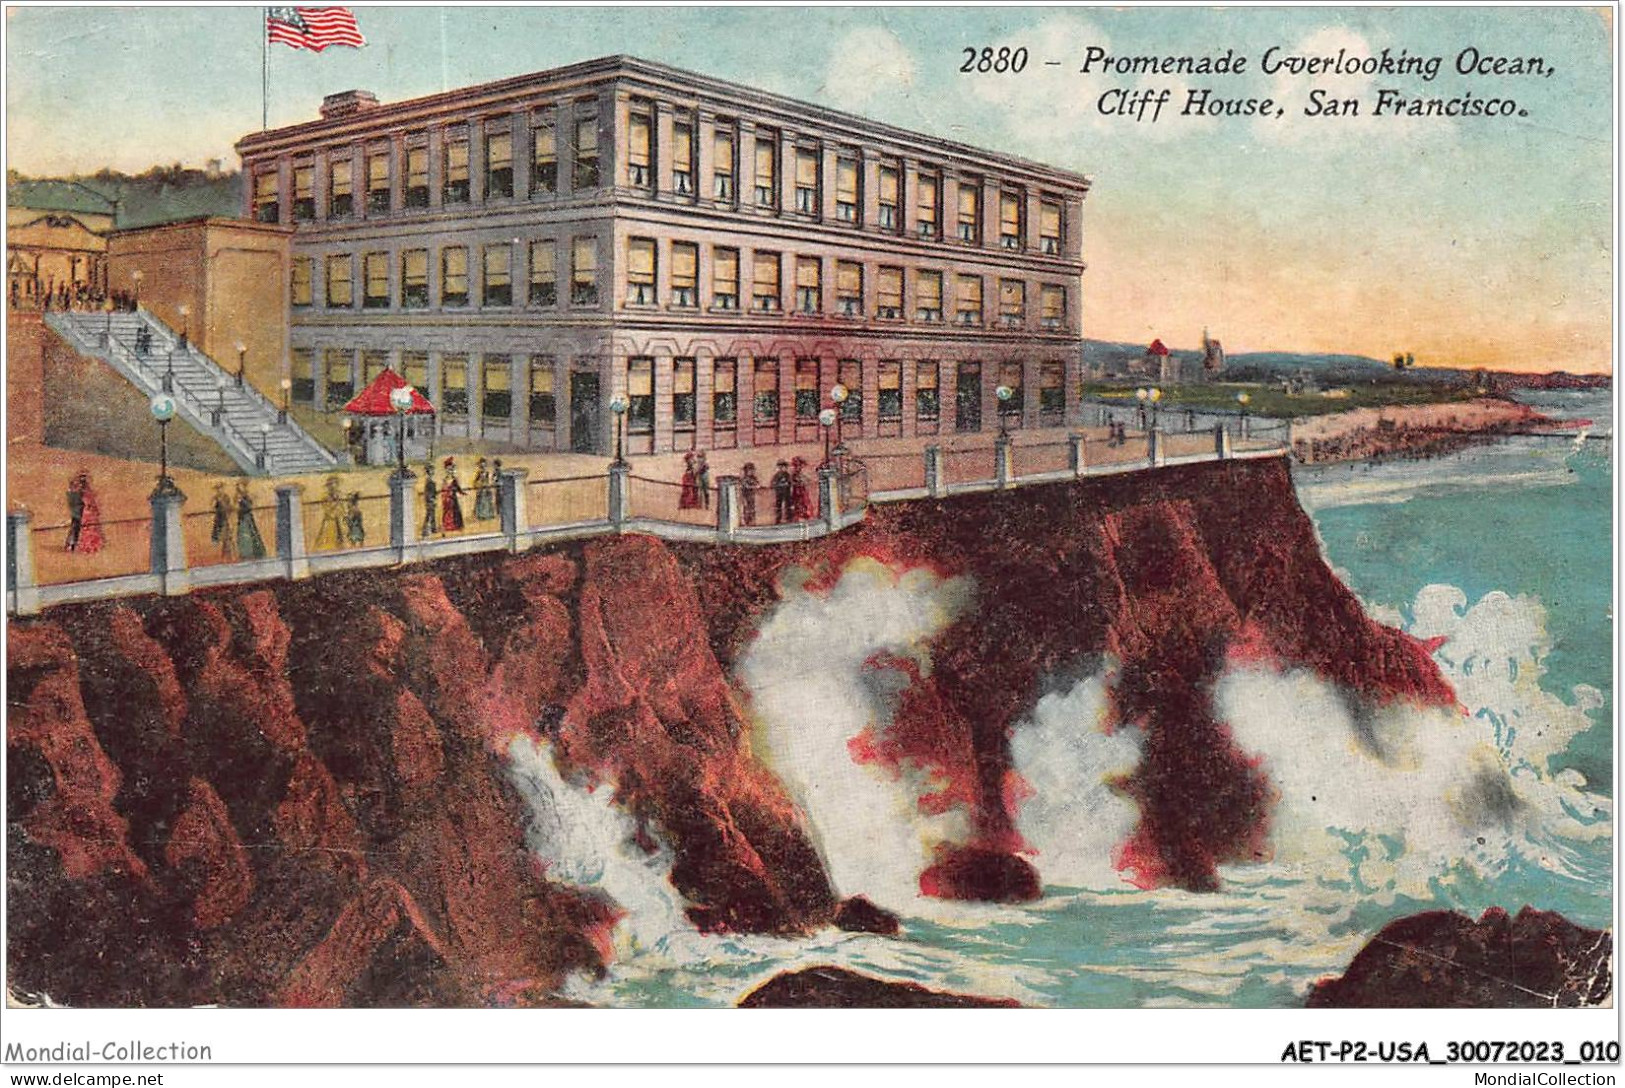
(56, 237)
(1154, 363)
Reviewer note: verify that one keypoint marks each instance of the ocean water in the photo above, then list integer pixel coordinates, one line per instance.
(1504, 551)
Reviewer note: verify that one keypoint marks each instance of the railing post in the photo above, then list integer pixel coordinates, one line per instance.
(1221, 442)
(728, 493)
(20, 564)
(829, 500)
(169, 541)
(511, 504)
(403, 522)
(1246, 427)
(1156, 453)
(290, 531)
(620, 494)
(1003, 473)
(1076, 454)
(935, 484)
(1100, 415)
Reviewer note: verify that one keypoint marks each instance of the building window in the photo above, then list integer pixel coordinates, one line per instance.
(586, 170)
(498, 275)
(724, 393)
(1052, 306)
(584, 272)
(640, 395)
(543, 406)
(1012, 303)
(889, 293)
(767, 392)
(302, 375)
(454, 276)
(888, 197)
(848, 288)
(496, 391)
(765, 286)
(968, 397)
(889, 402)
(454, 159)
(1049, 228)
(970, 209)
(304, 193)
(340, 366)
(378, 183)
(682, 394)
(454, 385)
(928, 296)
(926, 404)
(1010, 220)
(415, 369)
(722, 166)
(640, 272)
(373, 363)
(544, 284)
(266, 207)
(849, 372)
(639, 139)
(682, 159)
(968, 303)
(809, 279)
(725, 279)
(927, 203)
(767, 154)
(544, 155)
(340, 189)
(807, 180)
(299, 280)
(685, 274)
(1010, 375)
(807, 398)
(498, 165)
(414, 279)
(417, 177)
(340, 291)
(1051, 388)
(848, 194)
(375, 281)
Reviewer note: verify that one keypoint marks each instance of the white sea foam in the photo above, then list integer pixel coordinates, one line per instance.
(1075, 819)
(812, 690)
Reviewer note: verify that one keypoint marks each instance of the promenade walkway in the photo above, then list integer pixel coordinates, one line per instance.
(217, 531)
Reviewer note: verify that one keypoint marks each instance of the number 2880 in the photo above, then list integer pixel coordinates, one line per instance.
(988, 59)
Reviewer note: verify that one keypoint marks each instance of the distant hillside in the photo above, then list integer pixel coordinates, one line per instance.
(163, 194)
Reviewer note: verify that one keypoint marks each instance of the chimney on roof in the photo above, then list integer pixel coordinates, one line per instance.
(347, 103)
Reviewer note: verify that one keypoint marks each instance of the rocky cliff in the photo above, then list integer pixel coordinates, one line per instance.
(298, 793)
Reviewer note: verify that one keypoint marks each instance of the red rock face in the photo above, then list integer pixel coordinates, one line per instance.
(274, 794)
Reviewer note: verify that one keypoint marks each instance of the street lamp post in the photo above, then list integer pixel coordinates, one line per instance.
(1154, 395)
(136, 277)
(265, 438)
(828, 418)
(163, 410)
(287, 384)
(186, 324)
(1242, 399)
(618, 407)
(242, 362)
(1140, 394)
(400, 399)
(220, 404)
(839, 394)
(1004, 393)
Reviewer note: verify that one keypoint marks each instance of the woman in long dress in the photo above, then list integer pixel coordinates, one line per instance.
(220, 532)
(798, 490)
(90, 523)
(331, 532)
(690, 497)
(250, 545)
(485, 495)
(451, 501)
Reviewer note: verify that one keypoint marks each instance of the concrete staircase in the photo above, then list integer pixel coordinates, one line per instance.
(246, 424)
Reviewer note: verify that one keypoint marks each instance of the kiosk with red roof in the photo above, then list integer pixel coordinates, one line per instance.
(373, 425)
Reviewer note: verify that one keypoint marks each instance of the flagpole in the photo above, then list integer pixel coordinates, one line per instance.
(265, 69)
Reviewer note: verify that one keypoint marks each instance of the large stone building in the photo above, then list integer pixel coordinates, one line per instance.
(527, 250)
(56, 240)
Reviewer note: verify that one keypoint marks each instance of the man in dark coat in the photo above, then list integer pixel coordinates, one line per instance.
(781, 494)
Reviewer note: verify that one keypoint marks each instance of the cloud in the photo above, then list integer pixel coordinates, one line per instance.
(866, 64)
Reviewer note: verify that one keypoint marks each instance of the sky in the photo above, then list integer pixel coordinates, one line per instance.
(1467, 241)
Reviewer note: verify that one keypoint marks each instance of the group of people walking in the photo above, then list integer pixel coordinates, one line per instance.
(443, 502)
(342, 523)
(235, 530)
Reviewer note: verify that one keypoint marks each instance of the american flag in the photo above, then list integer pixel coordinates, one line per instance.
(312, 28)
